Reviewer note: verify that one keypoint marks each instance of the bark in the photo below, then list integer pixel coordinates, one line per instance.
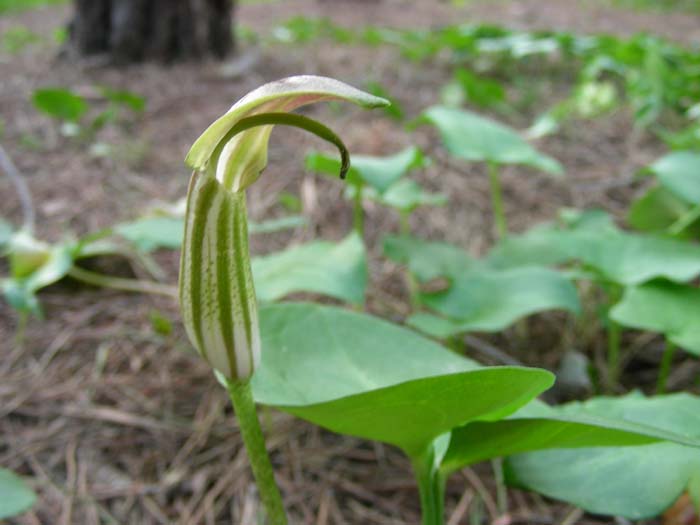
(166, 30)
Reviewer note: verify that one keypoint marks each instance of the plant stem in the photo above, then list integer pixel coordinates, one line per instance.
(404, 225)
(614, 333)
(686, 220)
(499, 216)
(501, 492)
(431, 486)
(358, 212)
(411, 281)
(665, 368)
(119, 283)
(242, 398)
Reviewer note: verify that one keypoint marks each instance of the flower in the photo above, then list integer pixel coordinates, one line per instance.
(217, 295)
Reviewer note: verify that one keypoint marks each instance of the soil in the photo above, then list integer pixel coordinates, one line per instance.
(114, 423)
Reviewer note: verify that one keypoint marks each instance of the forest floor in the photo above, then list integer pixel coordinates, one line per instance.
(114, 423)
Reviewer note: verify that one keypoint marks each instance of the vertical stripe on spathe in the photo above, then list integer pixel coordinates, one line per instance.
(216, 284)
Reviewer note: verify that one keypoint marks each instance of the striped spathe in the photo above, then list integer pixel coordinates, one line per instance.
(217, 296)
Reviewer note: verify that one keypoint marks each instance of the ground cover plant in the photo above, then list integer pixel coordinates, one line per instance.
(479, 313)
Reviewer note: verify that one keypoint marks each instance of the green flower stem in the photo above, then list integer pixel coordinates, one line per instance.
(119, 283)
(358, 212)
(242, 398)
(499, 216)
(431, 486)
(665, 368)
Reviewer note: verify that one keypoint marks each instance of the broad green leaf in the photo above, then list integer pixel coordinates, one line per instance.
(538, 426)
(60, 103)
(680, 173)
(150, 233)
(245, 155)
(336, 270)
(15, 496)
(661, 306)
(427, 260)
(623, 258)
(378, 172)
(657, 210)
(479, 90)
(362, 376)
(411, 415)
(407, 195)
(125, 98)
(634, 482)
(491, 300)
(475, 138)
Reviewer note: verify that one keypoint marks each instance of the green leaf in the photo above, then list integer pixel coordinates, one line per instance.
(336, 270)
(623, 258)
(491, 300)
(407, 195)
(538, 426)
(633, 482)
(125, 98)
(60, 103)
(471, 137)
(661, 306)
(656, 210)
(358, 375)
(480, 91)
(151, 233)
(378, 172)
(16, 496)
(680, 173)
(427, 260)
(34, 265)
(245, 154)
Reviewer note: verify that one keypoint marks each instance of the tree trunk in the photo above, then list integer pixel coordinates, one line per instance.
(166, 30)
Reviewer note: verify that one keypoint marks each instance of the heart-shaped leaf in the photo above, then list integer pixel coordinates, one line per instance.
(634, 482)
(362, 376)
(661, 306)
(679, 172)
(407, 195)
(657, 210)
(472, 137)
(336, 270)
(427, 260)
(60, 103)
(491, 300)
(623, 258)
(538, 426)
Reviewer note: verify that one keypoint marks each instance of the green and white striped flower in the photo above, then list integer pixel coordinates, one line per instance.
(217, 297)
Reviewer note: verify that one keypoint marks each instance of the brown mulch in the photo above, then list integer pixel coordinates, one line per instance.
(113, 423)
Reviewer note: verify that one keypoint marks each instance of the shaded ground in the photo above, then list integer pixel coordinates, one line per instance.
(114, 423)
